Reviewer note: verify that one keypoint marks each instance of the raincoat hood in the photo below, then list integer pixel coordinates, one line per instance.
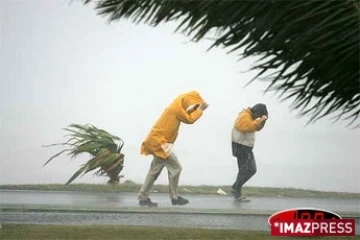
(190, 99)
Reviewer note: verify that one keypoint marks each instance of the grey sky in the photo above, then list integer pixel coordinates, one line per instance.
(62, 63)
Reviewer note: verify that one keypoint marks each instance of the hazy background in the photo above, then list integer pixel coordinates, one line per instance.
(60, 63)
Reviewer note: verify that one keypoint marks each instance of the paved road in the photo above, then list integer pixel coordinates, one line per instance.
(204, 211)
(126, 200)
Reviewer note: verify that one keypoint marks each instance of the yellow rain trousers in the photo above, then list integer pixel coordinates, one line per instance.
(165, 131)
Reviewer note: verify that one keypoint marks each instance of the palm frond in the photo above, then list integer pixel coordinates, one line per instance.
(81, 170)
(104, 148)
(317, 40)
(56, 155)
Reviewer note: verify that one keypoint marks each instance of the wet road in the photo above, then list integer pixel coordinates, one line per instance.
(204, 211)
(126, 200)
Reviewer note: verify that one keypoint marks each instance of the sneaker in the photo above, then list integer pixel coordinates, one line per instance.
(180, 201)
(242, 199)
(147, 203)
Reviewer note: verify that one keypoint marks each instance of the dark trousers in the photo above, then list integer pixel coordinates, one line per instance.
(246, 164)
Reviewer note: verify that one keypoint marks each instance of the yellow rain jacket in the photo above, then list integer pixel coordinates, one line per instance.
(165, 130)
(244, 128)
(245, 122)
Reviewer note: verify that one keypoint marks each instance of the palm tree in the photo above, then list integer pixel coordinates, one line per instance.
(103, 147)
(308, 50)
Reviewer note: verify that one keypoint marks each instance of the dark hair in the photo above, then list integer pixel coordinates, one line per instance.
(259, 109)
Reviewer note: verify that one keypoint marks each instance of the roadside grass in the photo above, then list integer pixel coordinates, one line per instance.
(185, 189)
(62, 232)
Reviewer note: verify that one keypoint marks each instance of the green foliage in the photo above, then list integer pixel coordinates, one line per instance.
(104, 148)
(309, 50)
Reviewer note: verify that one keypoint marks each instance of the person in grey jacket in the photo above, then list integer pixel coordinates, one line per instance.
(246, 124)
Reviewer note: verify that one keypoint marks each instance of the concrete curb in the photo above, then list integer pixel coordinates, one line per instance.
(129, 210)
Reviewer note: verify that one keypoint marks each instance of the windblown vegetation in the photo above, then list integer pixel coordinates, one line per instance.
(308, 50)
(104, 150)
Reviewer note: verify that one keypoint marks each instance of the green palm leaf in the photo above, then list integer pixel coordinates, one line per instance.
(317, 40)
(104, 148)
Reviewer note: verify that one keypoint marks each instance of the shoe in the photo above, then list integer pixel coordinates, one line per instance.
(147, 203)
(236, 194)
(180, 201)
(242, 199)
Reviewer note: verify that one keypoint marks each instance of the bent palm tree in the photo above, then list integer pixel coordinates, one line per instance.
(309, 49)
(104, 149)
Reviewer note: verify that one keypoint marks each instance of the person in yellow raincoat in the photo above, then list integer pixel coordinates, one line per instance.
(249, 121)
(186, 108)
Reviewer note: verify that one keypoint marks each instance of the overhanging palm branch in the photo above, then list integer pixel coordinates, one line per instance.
(103, 147)
(309, 49)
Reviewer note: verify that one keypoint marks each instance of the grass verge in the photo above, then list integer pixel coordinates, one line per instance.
(60, 232)
(132, 187)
